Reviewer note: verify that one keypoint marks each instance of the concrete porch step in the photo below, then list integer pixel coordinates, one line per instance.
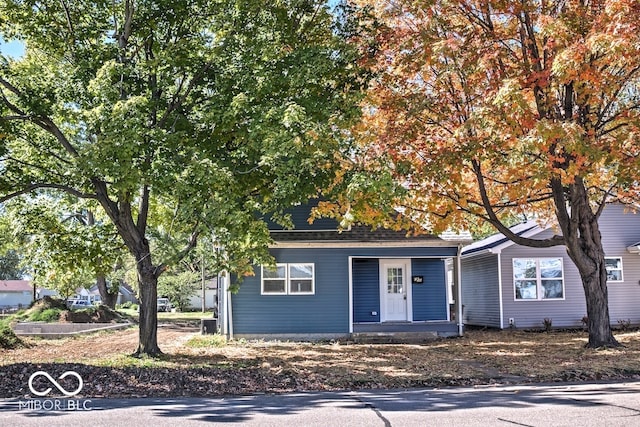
(394, 337)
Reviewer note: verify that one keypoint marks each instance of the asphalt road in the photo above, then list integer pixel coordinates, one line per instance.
(581, 405)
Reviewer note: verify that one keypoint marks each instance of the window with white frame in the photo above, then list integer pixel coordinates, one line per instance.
(288, 279)
(614, 269)
(538, 278)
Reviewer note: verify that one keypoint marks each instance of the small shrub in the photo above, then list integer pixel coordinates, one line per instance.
(547, 322)
(624, 324)
(8, 339)
(46, 315)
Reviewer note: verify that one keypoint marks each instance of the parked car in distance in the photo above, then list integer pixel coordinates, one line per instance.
(78, 304)
(164, 304)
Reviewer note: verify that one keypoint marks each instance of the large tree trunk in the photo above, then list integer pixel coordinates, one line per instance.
(584, 246)
(107, 297)
(148, 322)
(599, 325)
(589, 260)
(148, 288)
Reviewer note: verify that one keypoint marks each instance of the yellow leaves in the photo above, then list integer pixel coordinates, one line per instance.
(568, 63)
(452, 91)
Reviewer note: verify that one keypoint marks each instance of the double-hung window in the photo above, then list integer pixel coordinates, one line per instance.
(288, 279)
(538, 278)
(614, 269)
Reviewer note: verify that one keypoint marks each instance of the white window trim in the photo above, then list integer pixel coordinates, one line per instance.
(621, 269)
(288, 279)
(262, 280)
(538, 279)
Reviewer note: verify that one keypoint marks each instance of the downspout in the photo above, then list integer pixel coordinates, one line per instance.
(459, 290)
(230, 317)
(501, 304)
(222, 305)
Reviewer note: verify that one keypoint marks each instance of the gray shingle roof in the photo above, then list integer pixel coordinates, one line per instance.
(357, 233)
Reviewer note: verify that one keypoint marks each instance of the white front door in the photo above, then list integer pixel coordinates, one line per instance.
(393, 290)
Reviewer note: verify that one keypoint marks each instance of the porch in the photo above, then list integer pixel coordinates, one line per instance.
(401, 332)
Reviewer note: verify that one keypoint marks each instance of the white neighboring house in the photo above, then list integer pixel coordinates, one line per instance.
(125, 293)
(44, 292)
(210, 296)
(84, 294)
(15, 294)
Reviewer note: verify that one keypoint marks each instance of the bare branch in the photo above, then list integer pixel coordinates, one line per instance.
(68, 16)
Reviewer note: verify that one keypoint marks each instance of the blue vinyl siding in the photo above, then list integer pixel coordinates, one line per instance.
(324, 312)
(327, 311)
(366, 290)
(430, 297)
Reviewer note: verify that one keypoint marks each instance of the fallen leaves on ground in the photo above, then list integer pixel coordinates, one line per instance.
(480, 357)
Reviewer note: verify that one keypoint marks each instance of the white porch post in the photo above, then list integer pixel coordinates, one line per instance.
(458, 269)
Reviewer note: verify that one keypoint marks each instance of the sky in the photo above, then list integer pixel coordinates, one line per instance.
(12, 48)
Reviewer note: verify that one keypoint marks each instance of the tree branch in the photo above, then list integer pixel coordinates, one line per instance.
(34, 187)
(43, 122)
(495, 221)
(143, 209)
(192, 242)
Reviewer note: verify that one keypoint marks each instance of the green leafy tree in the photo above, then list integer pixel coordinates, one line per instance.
(185, 116)
(65, 245)
(179, 287)
(11, 257)
(11, 265)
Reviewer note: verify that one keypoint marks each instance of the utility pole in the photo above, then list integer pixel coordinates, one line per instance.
(204, 288)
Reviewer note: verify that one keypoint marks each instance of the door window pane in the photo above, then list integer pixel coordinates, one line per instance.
(395, 283)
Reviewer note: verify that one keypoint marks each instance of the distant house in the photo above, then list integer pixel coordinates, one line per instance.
(44, 292)
(331, 283)
(508, 285)
(125, 294)
(210, 296)
(15, 294)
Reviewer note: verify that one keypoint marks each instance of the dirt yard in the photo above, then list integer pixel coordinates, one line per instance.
(195, 365)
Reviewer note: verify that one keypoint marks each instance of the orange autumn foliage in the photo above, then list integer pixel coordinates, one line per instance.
(479, 106)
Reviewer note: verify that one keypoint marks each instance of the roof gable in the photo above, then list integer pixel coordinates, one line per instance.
(497, 242)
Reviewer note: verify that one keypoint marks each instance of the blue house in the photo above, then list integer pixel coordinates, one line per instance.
(333, 284)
